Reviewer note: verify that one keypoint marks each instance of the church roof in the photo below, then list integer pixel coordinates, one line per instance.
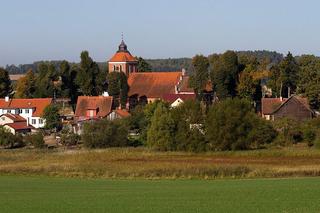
(123, 55)
(153, 84)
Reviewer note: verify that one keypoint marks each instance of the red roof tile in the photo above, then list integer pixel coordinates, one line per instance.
(269, 105)
(19, 125)
(15, 118)
(101, 103)
(38, 103)
(122, 57)
(122, 113)
(153, 84)
(170, 98)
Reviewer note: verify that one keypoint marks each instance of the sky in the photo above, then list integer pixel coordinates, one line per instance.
(37, 30)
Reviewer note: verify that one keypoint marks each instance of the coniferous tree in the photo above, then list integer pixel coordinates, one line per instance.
(143, 66)
(224, 74)
(90, 79)
(5, 83)
(200, 77)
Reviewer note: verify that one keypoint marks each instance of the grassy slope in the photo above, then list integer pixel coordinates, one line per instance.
(36, 194)
(142, 163)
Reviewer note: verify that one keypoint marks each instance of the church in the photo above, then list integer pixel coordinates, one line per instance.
(146, 87)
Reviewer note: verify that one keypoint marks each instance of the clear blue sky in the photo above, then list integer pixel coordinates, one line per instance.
(52, 30)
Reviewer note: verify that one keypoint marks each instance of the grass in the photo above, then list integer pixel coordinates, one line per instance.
(130, 163)
(47, 194)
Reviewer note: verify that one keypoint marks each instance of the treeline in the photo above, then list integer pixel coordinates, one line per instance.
(230, 124)
(170, 64)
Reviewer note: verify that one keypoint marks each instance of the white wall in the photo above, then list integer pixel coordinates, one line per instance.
(26, 114)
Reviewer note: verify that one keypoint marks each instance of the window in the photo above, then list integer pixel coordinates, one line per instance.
(33, 121)
(20, 111)
(26, 111)
(114, 67)
(120, 68)
(9, 111)
(40, 121)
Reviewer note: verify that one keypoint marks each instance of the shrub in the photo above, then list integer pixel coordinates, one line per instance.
(104, 133)
(52, 118)
(9, 140)
(36, 140)
(160, 135)
(68, 138)
(289, 132)
(232, 125)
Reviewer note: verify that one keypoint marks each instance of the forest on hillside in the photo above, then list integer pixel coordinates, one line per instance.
(170, 64)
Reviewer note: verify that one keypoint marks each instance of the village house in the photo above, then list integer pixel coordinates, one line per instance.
(146, 87)
(295, 107)
(29, 109)
(15, 123)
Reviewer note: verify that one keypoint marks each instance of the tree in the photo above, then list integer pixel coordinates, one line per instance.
(289, 70)
(90, 78)
(224, 74)
(52, 117)
(200, 77)
(69, 87)
(189, 120)
(46, 76)
(309, 79)
(143, 66)
(232, 125)
(25, 87)
(118, 87)
(248, 87)
(104, 133)
(160, 135)
(5, 83)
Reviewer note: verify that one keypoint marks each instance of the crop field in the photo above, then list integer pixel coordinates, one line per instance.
(130, 163)
(50, 194)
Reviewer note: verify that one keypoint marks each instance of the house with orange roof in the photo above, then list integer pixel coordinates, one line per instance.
(118, 114)
(31, 109)
(91, 108)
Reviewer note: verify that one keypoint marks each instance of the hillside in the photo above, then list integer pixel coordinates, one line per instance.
(170, 64)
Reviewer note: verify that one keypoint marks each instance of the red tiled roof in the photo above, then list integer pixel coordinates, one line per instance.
(122, 57)
(153, 84)
(303, 101)
(19, 125)
(170, 98)
(15, 118)
(269, 105)
(103, 104)
(122, 113)
(38, 103)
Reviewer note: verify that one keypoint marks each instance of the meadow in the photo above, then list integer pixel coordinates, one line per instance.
(49, 194)
(140, 163)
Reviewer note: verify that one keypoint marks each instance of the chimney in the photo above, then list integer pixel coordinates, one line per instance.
(105, 94)
(6, 99)
(183, 72)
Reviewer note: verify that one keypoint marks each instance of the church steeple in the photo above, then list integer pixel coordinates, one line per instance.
(123, 47)
(123, 61)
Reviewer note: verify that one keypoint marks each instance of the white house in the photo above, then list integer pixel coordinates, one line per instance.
(29, 109)
(15, 123)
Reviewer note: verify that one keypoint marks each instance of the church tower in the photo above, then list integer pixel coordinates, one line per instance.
(123, 61)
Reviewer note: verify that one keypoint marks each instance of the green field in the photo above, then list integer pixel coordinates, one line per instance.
(45, 194)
